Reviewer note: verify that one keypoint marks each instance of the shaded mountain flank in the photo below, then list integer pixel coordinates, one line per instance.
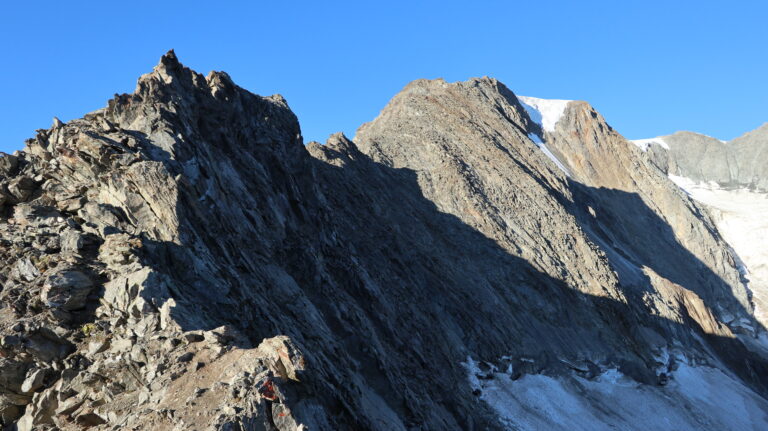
(181, 260)
(730, 180)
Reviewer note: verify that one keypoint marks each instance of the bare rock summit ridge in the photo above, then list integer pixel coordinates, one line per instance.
(181, 260)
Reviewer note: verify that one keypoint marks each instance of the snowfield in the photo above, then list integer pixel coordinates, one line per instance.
(741, 217)
(545, 112)
(696, 398)
(644, 144)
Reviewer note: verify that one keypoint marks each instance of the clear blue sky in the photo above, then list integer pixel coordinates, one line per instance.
(651, 67)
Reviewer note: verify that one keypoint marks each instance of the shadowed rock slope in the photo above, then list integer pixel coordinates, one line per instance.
(180, 260)
(731, 180)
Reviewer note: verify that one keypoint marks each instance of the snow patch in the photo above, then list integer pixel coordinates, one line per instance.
(614, 377)
(545, 112)
(695, 398)
(539, 143)
(644, 144)
(725, 142)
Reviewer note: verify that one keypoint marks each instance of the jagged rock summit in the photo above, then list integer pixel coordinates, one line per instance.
(180, 260)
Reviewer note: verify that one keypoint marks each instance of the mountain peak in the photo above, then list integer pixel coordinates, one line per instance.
(169, 59)
(149, 247)
(421, 96)
(169, 66)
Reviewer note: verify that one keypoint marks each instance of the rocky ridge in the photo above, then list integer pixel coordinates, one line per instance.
(739, 163)
(180, 260)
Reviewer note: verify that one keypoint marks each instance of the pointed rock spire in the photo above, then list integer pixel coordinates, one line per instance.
(169, 59)
(169, 64)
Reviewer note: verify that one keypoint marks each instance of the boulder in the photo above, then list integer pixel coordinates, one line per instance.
(46, 346)
(22, 188)
(8, 164)
(66, 289)
(25, 270)
(33, 381)
(72, 240)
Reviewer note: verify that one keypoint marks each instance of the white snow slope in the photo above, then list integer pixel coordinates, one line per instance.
(546, 112)
(539, 143)
(645, 143)
(696, 398)
(741, 217)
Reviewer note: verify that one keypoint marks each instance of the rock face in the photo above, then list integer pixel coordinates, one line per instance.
(180, 260)
(735, 164)
(731, 180)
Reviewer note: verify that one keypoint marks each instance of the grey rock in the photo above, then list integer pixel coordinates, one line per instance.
(10, 341)
(46, 346)
(36, 215)
(12, 375)
(67, 289)
(39, 412)
(26, 270)
(194, 337)
(739, 163)
(98, 344)
(8, 164)
(33, 381)
(342, 286)
(72, 240)
(12, 401)
(22, 187)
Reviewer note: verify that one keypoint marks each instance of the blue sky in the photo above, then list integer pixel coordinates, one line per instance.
(650, 67)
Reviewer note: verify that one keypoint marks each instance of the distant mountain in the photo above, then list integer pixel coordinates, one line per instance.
(469, 260)
(740, 163)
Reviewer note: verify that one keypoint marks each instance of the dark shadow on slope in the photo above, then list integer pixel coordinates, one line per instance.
(634, 236)
(383, 285)
(385, 294)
